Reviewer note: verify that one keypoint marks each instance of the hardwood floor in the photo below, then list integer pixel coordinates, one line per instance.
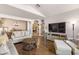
(41, 49)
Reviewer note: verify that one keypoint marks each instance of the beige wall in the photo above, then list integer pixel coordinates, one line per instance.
(10, 24)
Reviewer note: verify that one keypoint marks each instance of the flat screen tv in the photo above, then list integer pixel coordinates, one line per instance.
(57, 27)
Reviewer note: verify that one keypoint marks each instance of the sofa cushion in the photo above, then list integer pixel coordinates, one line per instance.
(17, 34)
(4, 49)
(12, 48)
(22, 33)
(26, 33)
(74, 46)
(71, 44)
(18, 37)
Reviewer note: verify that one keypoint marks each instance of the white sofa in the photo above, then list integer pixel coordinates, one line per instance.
(12, 48)
(74, 47)
(18, 36)
(8, 49)
(62, 48)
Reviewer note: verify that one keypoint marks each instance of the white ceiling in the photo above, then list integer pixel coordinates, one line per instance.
(27, 8)
(50, 10)
(33, 12)
(11, 10)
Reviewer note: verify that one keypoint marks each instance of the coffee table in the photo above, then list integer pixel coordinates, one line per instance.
(29, 44)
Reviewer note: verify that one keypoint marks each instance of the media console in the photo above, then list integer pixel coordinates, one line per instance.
(53, 35)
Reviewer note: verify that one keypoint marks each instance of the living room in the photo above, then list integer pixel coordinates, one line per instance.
(35, 29)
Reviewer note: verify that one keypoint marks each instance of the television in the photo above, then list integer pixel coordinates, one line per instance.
(57, 27)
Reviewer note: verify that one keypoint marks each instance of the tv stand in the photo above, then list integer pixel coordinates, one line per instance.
(54, 35)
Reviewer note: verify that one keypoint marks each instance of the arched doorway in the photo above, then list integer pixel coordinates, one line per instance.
(36, 28)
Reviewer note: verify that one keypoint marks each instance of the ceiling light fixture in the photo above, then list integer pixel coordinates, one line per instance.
(37, 5)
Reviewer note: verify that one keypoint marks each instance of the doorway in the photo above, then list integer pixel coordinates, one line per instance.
(35, 28)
